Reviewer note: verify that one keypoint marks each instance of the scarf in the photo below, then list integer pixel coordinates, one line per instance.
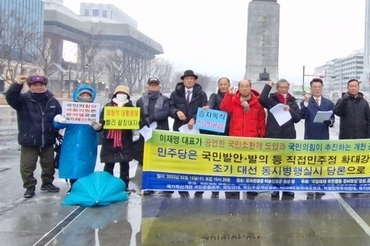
(151, 95)
(116, 135)
(282, 99)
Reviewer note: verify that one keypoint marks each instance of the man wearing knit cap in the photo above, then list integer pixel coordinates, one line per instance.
(36, 110)
(154, 107)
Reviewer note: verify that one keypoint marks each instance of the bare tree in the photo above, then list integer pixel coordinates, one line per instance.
(18, 37)
(114, 67)
(175, 80)
(42, 56)
(90, 58)
(126, 67)
(205, 81)
(164, 71)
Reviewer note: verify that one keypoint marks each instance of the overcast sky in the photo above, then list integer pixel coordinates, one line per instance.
(209, 36)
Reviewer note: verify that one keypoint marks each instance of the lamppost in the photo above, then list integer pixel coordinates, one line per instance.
(86, 67)
(312, 75)
(69, 81)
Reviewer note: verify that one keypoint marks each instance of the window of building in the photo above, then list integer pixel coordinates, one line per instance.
(86, 12)
(104, 13)
(95, 12)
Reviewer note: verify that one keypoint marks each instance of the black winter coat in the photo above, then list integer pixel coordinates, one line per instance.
(354, 116)
(161, 117)
(35, 118)
(178, 103)
(273, 130)
(110, 154)
(214, 102)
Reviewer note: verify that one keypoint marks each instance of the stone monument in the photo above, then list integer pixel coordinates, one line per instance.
(262, 41)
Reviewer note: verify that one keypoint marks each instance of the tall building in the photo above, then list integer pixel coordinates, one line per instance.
(327, 73)
(58, 2)
(20, 36)
(262, 41)
(107, 12)
(27, 15)
(366, 74)
(350, 67)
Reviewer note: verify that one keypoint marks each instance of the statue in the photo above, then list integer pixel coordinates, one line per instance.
(264, 76)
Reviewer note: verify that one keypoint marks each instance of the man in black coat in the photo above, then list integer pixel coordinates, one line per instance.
(273, 129)
(36, 110)
(185, 100)
(214, 102)
(154, 107)
(354, 113)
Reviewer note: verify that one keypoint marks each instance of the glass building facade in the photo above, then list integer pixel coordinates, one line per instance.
(22, 30)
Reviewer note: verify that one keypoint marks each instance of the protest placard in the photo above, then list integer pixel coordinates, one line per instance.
(121, 118)
(80, 113)
(211, 120)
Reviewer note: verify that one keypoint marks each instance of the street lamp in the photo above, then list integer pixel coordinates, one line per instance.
(69, 81)
(86, 67)
(311, 75)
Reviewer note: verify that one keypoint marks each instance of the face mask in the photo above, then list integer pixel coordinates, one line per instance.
(121, 97)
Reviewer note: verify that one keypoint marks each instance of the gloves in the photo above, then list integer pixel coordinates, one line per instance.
(147, 121)
(327, 123)
(59, 118)
(97, 126)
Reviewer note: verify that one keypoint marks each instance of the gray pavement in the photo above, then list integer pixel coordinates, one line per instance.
(331, 219)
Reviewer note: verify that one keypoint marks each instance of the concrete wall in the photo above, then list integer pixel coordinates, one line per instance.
(262, 41)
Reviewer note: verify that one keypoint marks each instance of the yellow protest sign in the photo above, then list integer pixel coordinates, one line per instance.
(180, 161)
(121, 118)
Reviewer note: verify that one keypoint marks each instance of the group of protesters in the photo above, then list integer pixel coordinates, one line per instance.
(40, 117)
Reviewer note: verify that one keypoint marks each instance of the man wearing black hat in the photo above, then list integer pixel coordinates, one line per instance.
(153, 107)
(36, 110)
(185, 100)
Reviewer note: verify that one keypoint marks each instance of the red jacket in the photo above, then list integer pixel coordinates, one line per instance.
(245, 124)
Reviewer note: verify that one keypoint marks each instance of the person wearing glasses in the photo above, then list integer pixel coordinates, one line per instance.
(309, 107)
(36, 110)
(273, 129)
(247, 115)
(154, 107)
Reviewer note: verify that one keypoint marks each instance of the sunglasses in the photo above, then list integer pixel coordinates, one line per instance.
(38, 78)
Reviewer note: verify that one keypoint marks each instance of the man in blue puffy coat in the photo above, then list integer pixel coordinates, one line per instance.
(80, 141)
(36, 134)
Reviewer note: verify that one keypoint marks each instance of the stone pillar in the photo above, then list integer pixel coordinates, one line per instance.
(262, 41)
